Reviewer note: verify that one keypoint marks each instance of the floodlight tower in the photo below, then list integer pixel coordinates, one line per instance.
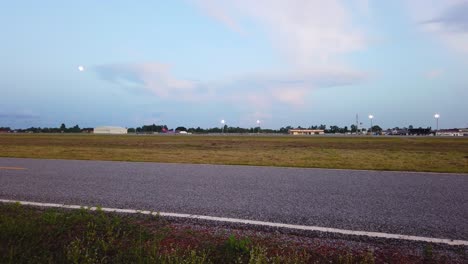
(222, 123)
(371, 117)
(436, 116)
(258, 125)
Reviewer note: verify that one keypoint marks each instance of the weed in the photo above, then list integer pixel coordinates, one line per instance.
(428, 254)
(29, 235)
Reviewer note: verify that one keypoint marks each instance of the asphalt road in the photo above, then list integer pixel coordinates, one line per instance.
(420, 204)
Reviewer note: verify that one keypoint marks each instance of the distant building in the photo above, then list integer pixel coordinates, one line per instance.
(110, 130)
(306, 132)
(455, 132)
(397, 132)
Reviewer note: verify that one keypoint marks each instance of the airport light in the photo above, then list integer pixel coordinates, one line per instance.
(371, 117)
(258, 125)
(436, 116)
(223, 122)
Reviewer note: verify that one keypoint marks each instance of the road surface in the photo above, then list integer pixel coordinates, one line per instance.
(419, 204)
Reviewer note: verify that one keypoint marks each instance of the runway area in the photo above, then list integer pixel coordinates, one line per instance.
(415, 204)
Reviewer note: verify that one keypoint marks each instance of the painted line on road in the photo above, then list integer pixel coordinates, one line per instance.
(12, 168)
(252, 222)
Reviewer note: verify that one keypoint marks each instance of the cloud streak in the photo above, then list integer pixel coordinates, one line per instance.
(23, 115)
(155, 78)
(454, 19)
(258, 90)
(446, 20)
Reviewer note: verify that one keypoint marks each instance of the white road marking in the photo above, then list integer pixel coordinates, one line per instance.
(252, 222)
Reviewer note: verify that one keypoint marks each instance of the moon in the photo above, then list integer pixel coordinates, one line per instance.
(81, 68)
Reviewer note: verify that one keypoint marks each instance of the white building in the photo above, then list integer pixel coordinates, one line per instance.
(110, 130)
(450, 132)
(306, 131)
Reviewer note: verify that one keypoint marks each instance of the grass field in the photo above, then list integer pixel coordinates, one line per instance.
(31, 235)
(374, 153)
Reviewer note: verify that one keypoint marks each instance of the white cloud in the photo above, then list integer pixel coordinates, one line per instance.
(308, 32)
(311, 36)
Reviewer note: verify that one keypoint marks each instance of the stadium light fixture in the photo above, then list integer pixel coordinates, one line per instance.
(223, 122)
(437, 116)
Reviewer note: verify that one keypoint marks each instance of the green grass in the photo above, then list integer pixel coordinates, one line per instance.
(31, 235)
(374, 153)
(28, 235)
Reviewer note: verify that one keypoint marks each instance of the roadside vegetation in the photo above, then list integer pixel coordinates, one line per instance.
(432, 154)
(31, 235)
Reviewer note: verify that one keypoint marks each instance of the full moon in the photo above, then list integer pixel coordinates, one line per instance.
(81, 68)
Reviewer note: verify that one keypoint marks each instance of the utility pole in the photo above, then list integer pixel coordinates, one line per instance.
(357, 124)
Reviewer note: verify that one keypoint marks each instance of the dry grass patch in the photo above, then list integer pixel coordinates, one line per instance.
(377, 153)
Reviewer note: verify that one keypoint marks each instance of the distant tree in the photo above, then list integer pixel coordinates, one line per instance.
(181, 128)
(131, 130)
(410, 127)
(353, 128)
(284, 130)
(63, 128)
(75, 129)
(334, 129)
(376, 129)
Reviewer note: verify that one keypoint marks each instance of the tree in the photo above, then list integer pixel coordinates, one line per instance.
(181, 128)
(75, 129)
(353, 128)
(131, 130)
(63, 128)
(376, 129)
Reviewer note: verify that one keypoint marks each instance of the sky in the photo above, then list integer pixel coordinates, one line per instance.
(196, 62)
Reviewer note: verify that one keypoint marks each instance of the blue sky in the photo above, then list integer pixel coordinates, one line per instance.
(195, 62)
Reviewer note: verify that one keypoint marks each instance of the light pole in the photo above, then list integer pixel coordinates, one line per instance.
(371, 117)
(436, 116)
(222, 123)
(258, 125)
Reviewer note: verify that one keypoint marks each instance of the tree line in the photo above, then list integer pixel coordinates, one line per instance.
(61, 129)
(150, 129)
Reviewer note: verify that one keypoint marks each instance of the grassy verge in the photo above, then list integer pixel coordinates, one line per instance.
(375, 153)
(30, 235)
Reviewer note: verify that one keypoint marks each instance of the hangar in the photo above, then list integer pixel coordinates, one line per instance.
(110, 130)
